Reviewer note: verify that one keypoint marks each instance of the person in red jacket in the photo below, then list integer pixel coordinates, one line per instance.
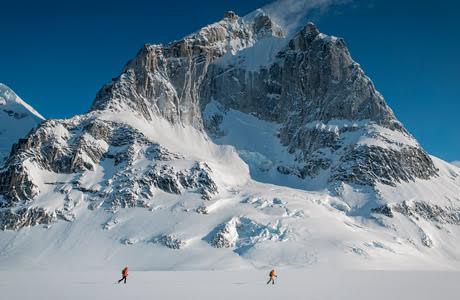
(272, 276)
(124, 273)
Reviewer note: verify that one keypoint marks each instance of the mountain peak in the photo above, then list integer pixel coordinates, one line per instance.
(311, 28)
(263, 24)
(310, 32)
(9, 97)
(6, 95)
(17, 118)
(256, 131)
(231, 15)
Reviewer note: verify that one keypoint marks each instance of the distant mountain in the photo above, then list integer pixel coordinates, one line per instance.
(236, 146)
(17, 118)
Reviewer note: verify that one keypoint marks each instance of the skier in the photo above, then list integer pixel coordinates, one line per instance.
(124, 273)
(272, 276)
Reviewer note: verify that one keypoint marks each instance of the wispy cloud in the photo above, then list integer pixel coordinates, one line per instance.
(291, 14)
(456, 163)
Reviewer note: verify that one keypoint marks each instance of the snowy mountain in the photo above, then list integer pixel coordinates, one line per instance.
(17, 118)
(237, 146)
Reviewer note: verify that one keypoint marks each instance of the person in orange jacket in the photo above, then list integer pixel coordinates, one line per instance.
(124, 273)
(272, 276)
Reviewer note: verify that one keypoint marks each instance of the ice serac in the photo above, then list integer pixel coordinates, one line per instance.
(17, 118)
(236, 146)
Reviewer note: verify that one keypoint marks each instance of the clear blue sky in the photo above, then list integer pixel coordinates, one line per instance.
(56, 55)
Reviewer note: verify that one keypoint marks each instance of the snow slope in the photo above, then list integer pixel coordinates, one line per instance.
(245, 224)
(17, 118)
(266, 225)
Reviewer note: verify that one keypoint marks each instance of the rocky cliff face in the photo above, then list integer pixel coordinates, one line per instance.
(312, 78)
(166, 80)
(305, 81)
(331, 121)
(323, 100)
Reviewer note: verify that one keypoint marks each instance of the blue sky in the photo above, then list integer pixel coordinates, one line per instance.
(56, 55)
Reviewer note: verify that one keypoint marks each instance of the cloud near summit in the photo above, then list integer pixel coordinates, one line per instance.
(291, 14)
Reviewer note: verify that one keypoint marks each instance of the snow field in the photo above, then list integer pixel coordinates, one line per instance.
(222, 285)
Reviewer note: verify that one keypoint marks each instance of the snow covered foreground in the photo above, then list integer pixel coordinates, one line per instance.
(291, 284)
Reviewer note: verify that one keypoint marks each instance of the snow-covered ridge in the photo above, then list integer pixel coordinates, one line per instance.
(8, 97)
(234, 33)
(17, 118)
